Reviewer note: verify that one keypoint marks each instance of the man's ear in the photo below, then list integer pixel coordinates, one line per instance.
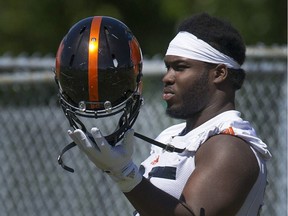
(220, 73)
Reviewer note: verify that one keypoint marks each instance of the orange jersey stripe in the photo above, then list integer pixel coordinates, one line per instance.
(228, 131)
(93, 59)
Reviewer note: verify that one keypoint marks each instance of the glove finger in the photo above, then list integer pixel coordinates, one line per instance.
(100, 140)
(76, 136)
(87, 144)
(80, 138)
(71, 135)
(128, 141)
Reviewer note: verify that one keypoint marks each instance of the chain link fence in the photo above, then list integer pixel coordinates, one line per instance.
(34, 131)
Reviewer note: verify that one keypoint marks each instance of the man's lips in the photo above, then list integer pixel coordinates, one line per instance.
(168, 93)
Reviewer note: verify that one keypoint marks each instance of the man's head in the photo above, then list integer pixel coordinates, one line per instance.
(222, 36)
(203, 67)
(217, 33)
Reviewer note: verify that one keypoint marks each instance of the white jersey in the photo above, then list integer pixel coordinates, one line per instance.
(169, 171)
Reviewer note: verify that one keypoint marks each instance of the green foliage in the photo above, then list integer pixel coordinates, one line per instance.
(38, 26)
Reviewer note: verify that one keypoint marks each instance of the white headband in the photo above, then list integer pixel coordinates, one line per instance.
(188, 45)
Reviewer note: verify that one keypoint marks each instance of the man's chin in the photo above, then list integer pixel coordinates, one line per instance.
(175, 114)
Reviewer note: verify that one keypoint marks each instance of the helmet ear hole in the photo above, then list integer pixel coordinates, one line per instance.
(98, 71)
(71, 60)
(82, 30)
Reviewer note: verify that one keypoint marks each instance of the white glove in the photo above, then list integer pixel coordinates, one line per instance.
(114, 160)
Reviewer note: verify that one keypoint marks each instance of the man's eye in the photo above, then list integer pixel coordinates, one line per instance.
(180, 67)
(176, 67)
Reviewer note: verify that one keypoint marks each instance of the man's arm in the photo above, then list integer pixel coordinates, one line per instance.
(225, 172)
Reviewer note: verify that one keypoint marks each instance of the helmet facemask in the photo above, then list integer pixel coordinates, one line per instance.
(121, 117)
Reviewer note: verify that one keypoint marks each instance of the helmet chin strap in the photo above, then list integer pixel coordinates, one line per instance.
(74, 123)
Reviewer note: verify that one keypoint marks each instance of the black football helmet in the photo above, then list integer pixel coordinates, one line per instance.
(98, 73)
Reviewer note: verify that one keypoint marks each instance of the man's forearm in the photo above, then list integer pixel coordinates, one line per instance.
(149, 200)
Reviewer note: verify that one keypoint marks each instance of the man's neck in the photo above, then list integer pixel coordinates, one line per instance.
(205, 115)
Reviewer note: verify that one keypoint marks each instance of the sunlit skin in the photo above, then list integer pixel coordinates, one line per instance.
(225, 166)
(183, 100)
(189, 93)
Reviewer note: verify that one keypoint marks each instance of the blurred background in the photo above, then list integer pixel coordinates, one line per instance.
(33, 127)
(38, 27)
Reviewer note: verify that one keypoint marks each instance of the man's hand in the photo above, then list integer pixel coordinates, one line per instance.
(114, 160)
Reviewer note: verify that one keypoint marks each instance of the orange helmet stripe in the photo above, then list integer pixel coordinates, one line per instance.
(93, 59)
(136, 57)
(136, 54)
(58, 60)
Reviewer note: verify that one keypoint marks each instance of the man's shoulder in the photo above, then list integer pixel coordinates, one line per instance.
(223, 148)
